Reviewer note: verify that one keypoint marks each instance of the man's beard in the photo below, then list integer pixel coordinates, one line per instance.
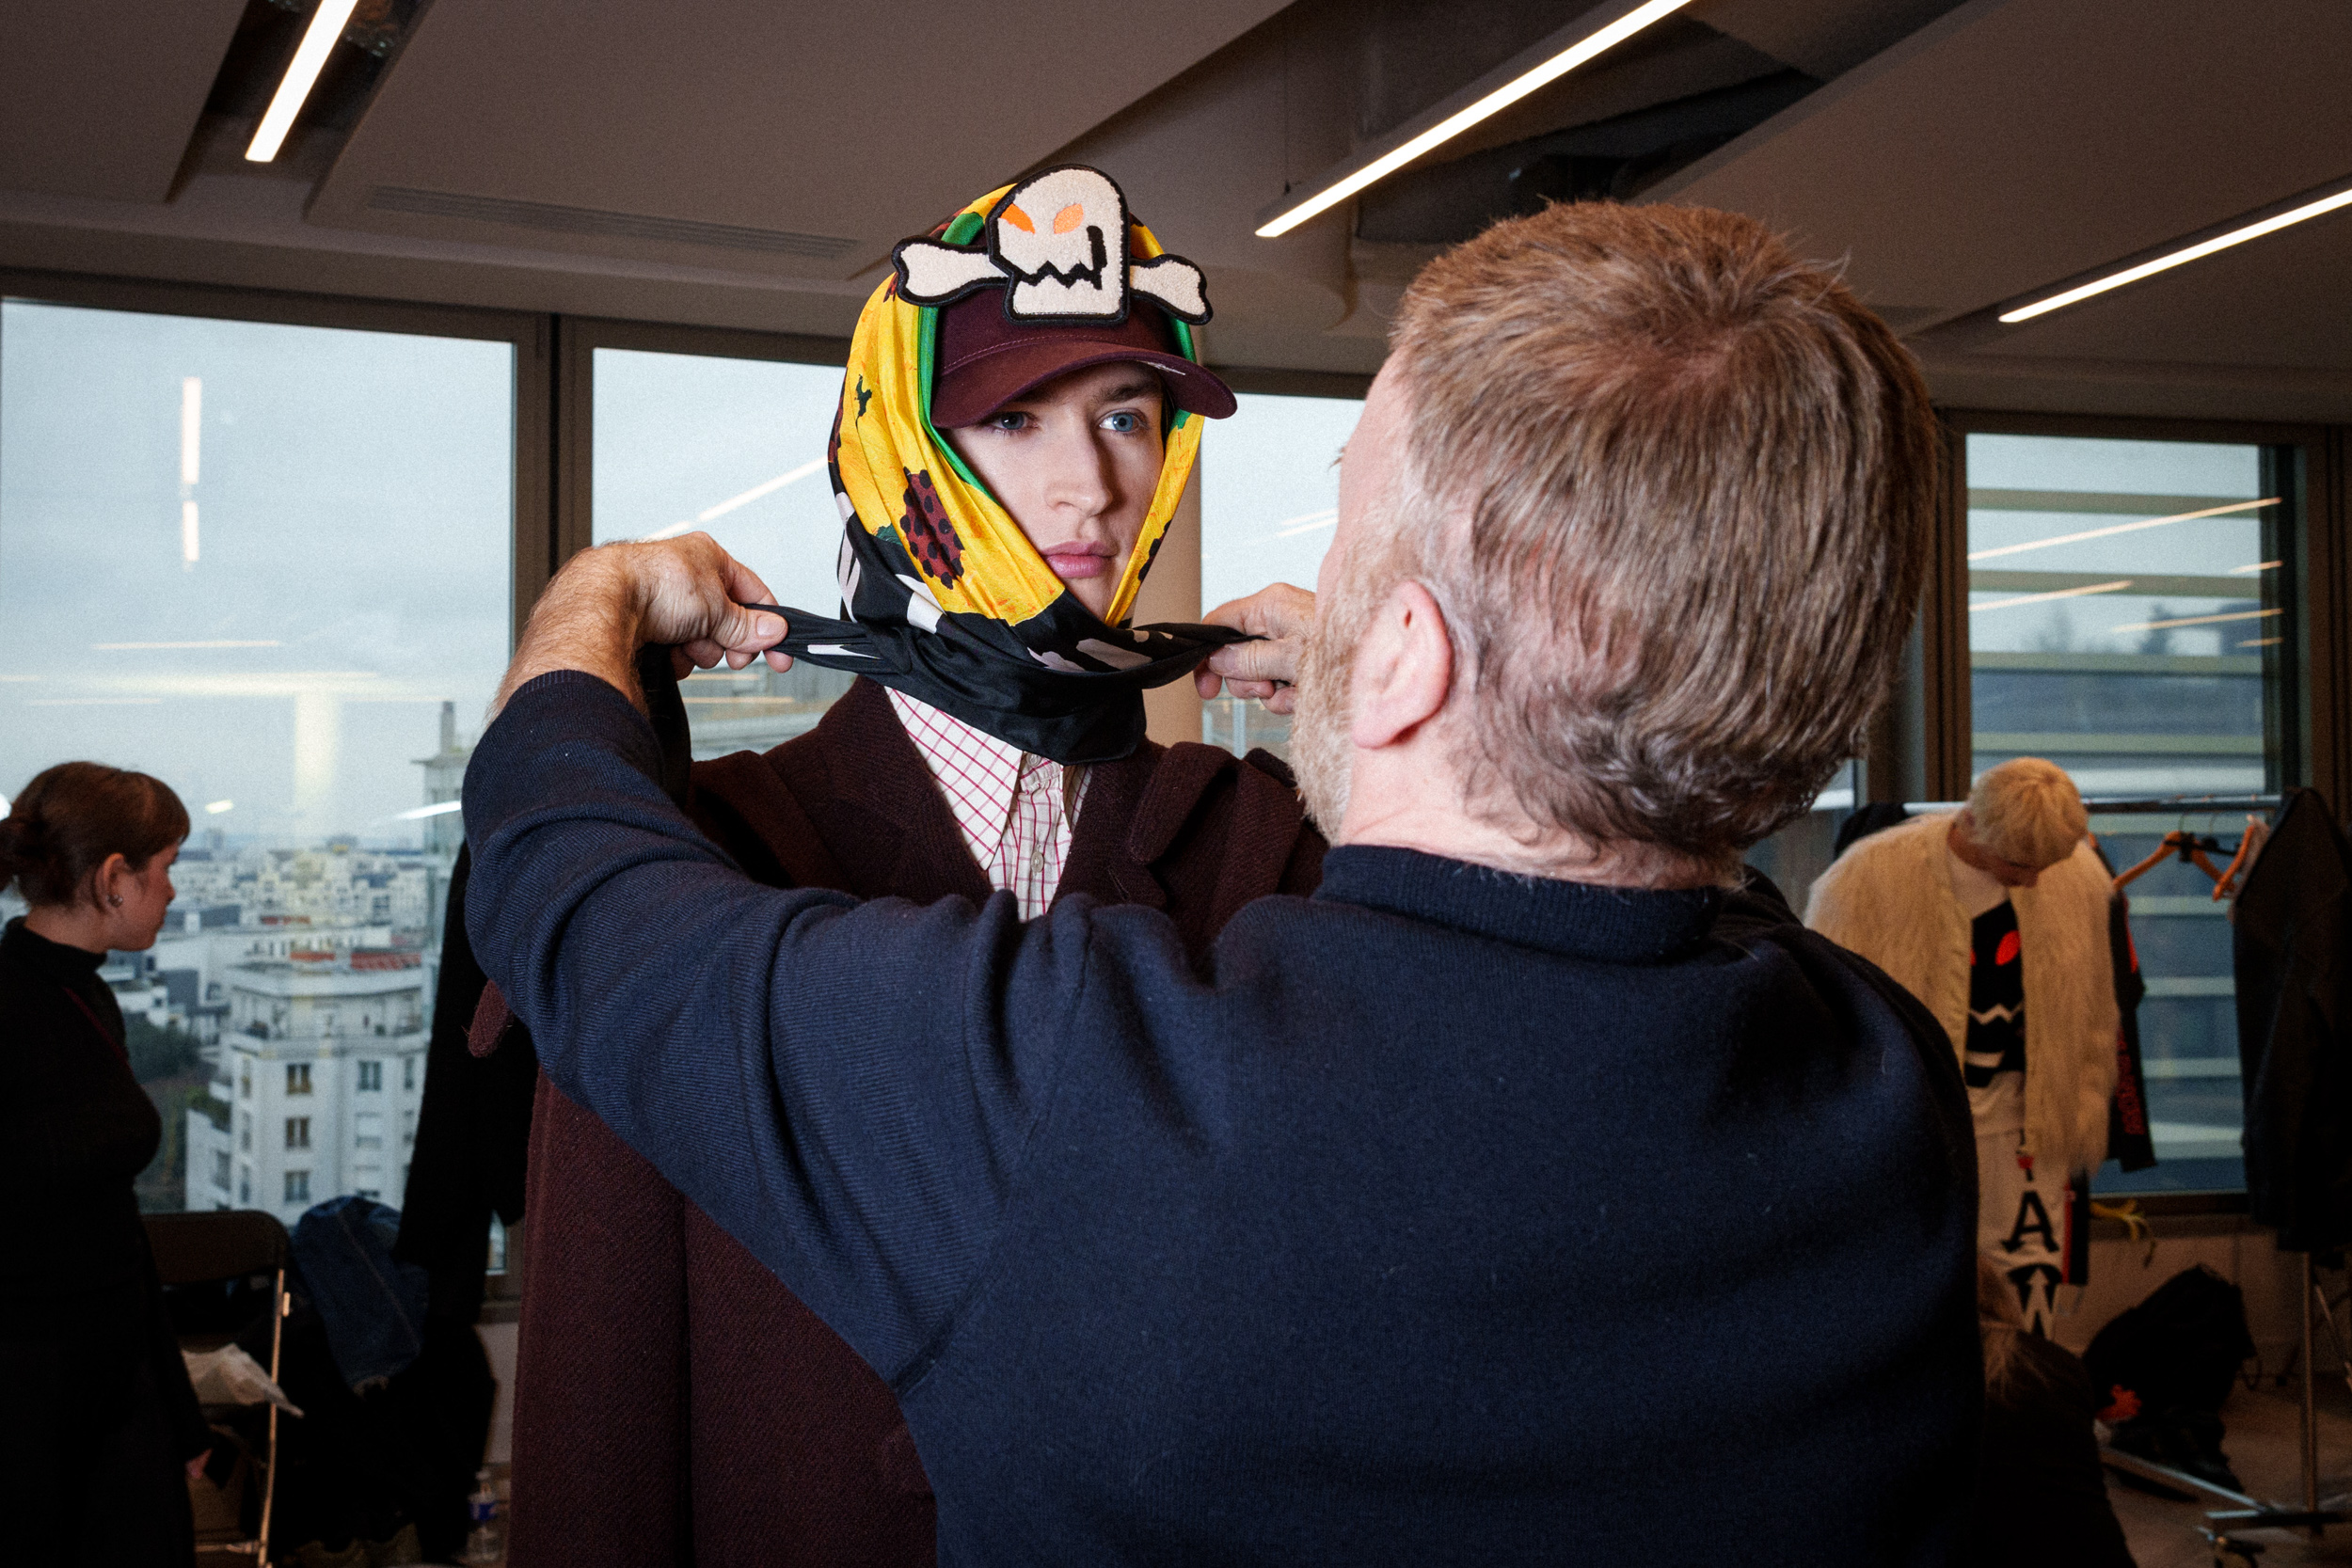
(1323, 751)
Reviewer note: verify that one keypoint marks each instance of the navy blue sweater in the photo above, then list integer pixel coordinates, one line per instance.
(1447, 1216)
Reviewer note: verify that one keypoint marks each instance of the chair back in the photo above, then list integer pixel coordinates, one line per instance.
(192, 1249)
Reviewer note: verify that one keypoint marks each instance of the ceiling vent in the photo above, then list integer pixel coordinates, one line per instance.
(590, 220)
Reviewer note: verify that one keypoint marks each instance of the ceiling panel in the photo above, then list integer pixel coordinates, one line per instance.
(795, 138)
(2018, 142)
(101, 100)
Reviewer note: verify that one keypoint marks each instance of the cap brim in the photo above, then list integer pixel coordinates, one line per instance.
(968, 393)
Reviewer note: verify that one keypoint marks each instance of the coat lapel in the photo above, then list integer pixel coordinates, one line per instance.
(1102, 861)
(889, 824)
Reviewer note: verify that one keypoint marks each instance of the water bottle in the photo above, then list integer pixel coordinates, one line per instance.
(486, 1536)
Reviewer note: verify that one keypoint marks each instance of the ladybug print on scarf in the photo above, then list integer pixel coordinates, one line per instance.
(930, 538)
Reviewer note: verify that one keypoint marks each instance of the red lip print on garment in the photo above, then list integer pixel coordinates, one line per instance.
(930, 538)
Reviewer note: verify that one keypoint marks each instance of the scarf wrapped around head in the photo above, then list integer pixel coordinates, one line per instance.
(947, 599)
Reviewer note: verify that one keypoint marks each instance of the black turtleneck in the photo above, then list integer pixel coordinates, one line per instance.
(75, 1128)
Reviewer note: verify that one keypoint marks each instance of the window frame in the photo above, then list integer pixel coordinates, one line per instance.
(1919, 749)
(531, 336)
(1922, 745)
(574, 450)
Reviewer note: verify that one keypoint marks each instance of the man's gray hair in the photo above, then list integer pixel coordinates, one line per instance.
(1671, 488)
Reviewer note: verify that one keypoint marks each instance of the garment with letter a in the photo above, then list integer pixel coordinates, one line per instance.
(2022, 1222)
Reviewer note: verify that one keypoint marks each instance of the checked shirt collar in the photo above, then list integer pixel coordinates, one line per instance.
(1015, 808)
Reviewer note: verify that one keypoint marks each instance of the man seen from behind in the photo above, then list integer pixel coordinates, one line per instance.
(1538, 1189)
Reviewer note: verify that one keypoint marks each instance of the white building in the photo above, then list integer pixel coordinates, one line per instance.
(321, 1067)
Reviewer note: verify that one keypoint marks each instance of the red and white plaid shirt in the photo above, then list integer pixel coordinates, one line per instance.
(1015, 808)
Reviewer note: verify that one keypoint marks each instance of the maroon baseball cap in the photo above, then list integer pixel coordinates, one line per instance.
(984, 360)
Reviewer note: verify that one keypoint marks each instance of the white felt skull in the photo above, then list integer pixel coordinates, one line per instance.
(1063, 237)
(1059, 245)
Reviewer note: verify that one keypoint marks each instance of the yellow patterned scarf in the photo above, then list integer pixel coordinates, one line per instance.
(946, 598)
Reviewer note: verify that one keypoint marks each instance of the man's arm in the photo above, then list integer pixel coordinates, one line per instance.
(848, 1090)
(609, 602)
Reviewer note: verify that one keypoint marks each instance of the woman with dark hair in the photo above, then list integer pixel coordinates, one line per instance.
(102, 1422)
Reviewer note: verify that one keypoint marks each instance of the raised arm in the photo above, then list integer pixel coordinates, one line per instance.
(1281, 616)
(847, 1089)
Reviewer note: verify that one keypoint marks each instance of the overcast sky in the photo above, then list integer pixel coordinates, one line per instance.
(352, 496)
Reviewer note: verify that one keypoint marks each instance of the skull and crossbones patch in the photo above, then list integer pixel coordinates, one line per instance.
(1057, 246)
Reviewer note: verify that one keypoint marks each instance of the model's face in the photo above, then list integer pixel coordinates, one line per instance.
(1076, 461)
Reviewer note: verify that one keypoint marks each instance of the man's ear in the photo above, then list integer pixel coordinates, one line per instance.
(1404, 669)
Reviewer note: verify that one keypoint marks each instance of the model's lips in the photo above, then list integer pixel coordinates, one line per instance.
(1077, 561)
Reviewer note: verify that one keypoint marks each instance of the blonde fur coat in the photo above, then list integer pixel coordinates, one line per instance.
(1889, 898)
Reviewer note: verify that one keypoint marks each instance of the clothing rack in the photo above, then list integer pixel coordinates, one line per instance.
(2160, 805)
(2250, 1512)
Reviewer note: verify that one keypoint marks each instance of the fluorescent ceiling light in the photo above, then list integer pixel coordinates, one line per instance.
(443, 809)
(302, 74)
(2116, 586)
(191, 426)
(767, 488)
(1555, 58)
(213, 808)
(2186, 254)
(1308, 522)
(2199, 620)
(2118, 527)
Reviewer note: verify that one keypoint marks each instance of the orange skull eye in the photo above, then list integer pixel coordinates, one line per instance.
(1068, 218)
(1020, 220)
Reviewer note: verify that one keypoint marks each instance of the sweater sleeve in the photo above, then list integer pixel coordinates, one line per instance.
(845, 1089)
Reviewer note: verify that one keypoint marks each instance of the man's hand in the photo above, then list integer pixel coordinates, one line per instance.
(610, 601)
(1282, 615)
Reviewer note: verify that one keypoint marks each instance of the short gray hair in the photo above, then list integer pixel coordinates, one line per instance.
(1671, 488)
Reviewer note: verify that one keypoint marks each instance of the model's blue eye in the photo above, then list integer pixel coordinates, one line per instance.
(1009, 421)
(1126, 422)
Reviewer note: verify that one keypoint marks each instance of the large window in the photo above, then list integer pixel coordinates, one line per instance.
(2132, 616)
(1269, 499)
(270, 565)
(735, 447)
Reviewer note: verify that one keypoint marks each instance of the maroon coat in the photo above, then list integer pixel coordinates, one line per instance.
(674, 1403)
